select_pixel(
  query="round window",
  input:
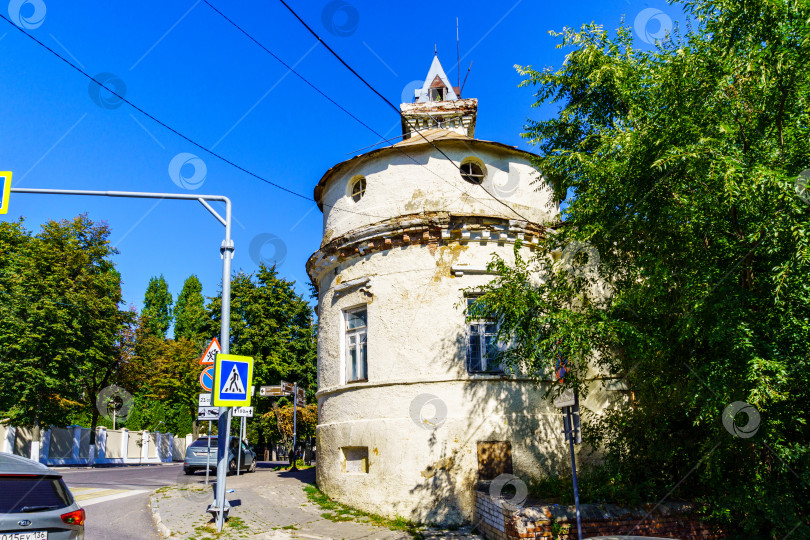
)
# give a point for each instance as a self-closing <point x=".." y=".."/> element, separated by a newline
<point x="473" y="171"/>
<point x="358" y="188"/>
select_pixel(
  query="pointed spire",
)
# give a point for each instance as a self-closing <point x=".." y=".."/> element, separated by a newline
<point x="437" y="86"/>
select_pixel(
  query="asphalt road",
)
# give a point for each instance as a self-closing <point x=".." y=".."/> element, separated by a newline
<point x="116" y="499"/>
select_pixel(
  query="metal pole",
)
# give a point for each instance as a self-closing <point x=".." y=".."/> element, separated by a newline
<point x="208" y="456"/>
<point x="226" y="251"/>
<point x="295" y="423"/>
<point x="570" y="434"/>
<point x="224" y="412"/>
<point x="239" y="447"/>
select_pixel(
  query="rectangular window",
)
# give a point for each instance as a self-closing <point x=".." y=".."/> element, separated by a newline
<point x="24" y="493"/>
<point x="356" y="355"/>
<point x="482" y="347"/>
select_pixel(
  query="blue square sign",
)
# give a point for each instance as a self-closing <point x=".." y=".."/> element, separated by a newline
<point x="232" y="380"/>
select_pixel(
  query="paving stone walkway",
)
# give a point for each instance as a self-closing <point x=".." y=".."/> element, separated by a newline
<point x="272" y="505"/>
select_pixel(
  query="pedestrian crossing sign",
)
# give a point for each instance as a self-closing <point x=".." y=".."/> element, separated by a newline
<point x="233" y="378"/>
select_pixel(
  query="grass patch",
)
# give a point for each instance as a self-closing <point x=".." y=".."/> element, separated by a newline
<point x="300" y="465"/>
<point x="340" y="512"/>
<point x="208" y="531"/>
<point x="237" y="523"/>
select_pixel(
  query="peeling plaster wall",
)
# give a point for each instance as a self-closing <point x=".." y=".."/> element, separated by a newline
<point x="417" y="347"/>
<point x="424" y="181"/>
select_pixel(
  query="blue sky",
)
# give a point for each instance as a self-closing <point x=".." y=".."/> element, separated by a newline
<point x="184" y="64"/>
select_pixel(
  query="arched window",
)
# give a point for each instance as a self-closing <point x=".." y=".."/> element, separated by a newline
<point x="473" y="170"/>
<point x="358" y="188"/>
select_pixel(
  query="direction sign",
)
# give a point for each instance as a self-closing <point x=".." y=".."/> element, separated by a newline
<point x="271" y="391"/>
<point x="300" y="396"/>
<point x="233" y="377"/>
<point x="286" y="387"/>
<point x="247" y="412"/>
<point x="566" y="399"/>
<point x="210" y="354"/>
<point x="207" y="413"/>
<point x="204" y="400"/>
<point x="207" y="378"/>
<point x="5" y="190"/>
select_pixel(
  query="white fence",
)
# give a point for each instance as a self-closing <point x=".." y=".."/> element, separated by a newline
<point x="71" y="446"/>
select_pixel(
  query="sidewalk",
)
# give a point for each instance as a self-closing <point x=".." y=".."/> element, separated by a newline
<point x="273" y="505"/>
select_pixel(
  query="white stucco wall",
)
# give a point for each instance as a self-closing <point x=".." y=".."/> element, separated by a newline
<point x="417" y="335"/>
<point x="418" y="178"/>
<point x="416" y="346"/>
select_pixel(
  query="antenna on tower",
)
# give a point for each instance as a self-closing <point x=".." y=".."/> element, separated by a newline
<point x="458" y="59"/>
<point x="435" y="49"/>
<point x="465" y="78"/>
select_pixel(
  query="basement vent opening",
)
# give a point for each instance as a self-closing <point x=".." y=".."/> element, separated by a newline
<point x="355" y="459"/>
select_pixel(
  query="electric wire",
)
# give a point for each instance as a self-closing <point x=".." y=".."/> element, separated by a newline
<point x="311" y="85"/>
<point x="386" y="100"/>
<point x="239" y="167"/>
<point x="178" y="133"/>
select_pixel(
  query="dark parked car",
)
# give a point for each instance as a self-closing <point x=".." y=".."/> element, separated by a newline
<point x="35" y="504"/>
<point x="197" y="456"/>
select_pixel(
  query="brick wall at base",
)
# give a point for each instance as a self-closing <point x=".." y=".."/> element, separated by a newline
<point x="496" y="519"/>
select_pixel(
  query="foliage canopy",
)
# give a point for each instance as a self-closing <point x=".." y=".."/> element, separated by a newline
<point x="685" y="256"/>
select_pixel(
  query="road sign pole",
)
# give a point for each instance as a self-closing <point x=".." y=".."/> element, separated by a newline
<point x="570" y="434"/>
<point x="226" y="251"/>
<point x="295" y="424"/>
<point x="239" y="446"/>
<point x="208" y="455"/>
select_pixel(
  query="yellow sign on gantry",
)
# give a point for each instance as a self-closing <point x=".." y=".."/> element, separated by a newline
<point x="5" y="190"/>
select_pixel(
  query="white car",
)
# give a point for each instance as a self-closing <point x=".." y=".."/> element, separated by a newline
<point x="35" y="504"/>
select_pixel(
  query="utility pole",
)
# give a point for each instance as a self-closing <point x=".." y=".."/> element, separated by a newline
<point x="295" y="424"/>
<point x="226" y="253"/>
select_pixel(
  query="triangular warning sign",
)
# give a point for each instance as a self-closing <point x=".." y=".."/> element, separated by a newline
<point x="233" y="384"/>
<point x="210" y="354"/>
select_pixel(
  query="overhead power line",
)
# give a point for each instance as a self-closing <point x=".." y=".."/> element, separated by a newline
<point x="386" y="100"/>
<point x="372" y="130"/>
<point x="176" y="132"/>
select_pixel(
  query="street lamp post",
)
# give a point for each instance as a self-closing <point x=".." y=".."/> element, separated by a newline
<point x="226" y="251"/>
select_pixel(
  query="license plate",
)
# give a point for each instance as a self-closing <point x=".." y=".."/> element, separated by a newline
<point x="200" y="453"/>
<point x="28" y="535"/>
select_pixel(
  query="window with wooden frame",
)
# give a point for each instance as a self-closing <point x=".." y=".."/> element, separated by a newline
<point x="482" y="345"/>
<point x="356" y="344"/>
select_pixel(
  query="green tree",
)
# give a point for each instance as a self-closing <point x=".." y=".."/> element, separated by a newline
<point x="190" y="317"/>
<point x="279" y="422"/>
<point x="163" y="376"/>
<point x="157" y="306"/>
<point x="273" y="324"/>
<point x="681" y="167"/>
<point x="61" y="329"/>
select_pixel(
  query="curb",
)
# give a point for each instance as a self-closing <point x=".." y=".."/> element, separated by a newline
<point x="162" y="528"/>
